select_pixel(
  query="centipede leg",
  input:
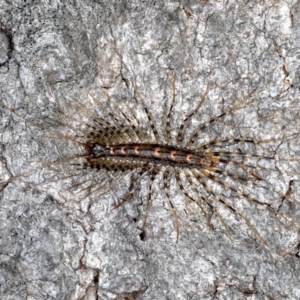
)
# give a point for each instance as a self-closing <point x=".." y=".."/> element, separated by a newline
<point x="149" y="202"/>
<point x="168" y="126"/>
<point x="167" y="192"/>
<point x="208" y="123"/>
<point x="132" y="129"/>
<point x="133" y="183"/>
<point x="183" y="190"/>
<point x="212" y="207"/>
<point x="188" y="117"/>
<point x="227" y="205"/>
<point x="150" y="120"/>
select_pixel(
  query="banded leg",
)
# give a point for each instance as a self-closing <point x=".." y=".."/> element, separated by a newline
<point x="235" y="141"/>
<point x="153" y="128"/>
<point x="113" y="117"/>
<point x="149" y="203"/>
<point x="166" y="190"/>
<point x="183" y="190"/>
<point x="106" y="128"/>
<point x="168" y="126"/>
<point x="133" y="127"/>
<point x="228" y="206"/>
<point x="213" y="208"/>
<point x="99" y="130"/>
<point x="222" y="142"/>
<point x="207" y="124"/>
<point x="78" y="184"/>
<point x="133" y="183"/>
<point x="236" y="154"/>
<point x="245" y="182"/>
<point x="188" y="117"/>
<point x="218" y="154"/>
<point x="229" y="162"/>
<point x="250" y="198"/>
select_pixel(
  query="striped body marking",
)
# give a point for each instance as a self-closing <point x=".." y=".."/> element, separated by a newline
<point x="154" y="153"/>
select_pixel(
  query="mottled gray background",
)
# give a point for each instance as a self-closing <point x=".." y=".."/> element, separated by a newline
<point x="55" y="247"/>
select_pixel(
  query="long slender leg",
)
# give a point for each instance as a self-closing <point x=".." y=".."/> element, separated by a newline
<point x="153" y="128"/>
<point x="183" y="190"/>
<point x="246" y="182"/>
<point x="227" y="205"/>
<point x="167" y="192"/>
<point x="213" y="208"/>
<point x="149" y="202"/>
<point x="219" y="154"/>
<point x="98" y="130"/>
<point x="222" y="142"/>
<point x="133" y="183"/>
<point x="106" y="129"/>
<point x="207" y="124"/>
<point x="133" y="128"/>
<point x="188" y="117"/>
<point x="59" y="179"/>
<point x="235" y="141"/>
<point x="112" y="116"/>
<point x="55" y="132"/>
<point x="168" y="126"/>
<point x="247" y="196"/>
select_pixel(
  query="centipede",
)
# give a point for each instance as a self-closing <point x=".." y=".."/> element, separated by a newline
<point x="112" y="143"/>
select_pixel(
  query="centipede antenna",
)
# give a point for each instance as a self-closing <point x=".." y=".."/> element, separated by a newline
<point x="63" y="125"/>
<point x="41" y="126"/>
<point x="45" y="165"/>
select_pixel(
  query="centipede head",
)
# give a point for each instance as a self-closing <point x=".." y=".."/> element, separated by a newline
<point x="97" y="150"/>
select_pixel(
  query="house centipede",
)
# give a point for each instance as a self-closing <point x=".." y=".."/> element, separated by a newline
<point x="113" y="145"/>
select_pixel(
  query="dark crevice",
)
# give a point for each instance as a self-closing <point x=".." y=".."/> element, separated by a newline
<point x="11" y="45"/>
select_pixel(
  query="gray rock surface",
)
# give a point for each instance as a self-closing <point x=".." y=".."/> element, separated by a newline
<point x="54" y="246"/>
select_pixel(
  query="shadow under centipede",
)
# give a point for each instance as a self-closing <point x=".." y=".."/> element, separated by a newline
<point x="116" y="145"/>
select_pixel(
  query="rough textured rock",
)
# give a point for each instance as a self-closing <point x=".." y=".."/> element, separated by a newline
<point x="53" y="246"/>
